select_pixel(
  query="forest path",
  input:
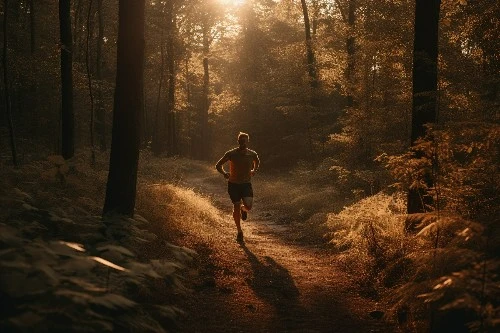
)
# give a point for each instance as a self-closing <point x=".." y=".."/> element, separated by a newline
<point x="268" y="283"/>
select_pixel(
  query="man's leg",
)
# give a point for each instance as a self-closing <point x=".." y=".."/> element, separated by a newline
<point x="235" y="196"/>
<point x="245" y="207"/>
<point x="247" y="196"/>
<point x="247" y="204"/>
<point x="237" y="217"/>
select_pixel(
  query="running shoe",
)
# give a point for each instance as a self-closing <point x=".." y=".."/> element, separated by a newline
<point x="239" y="238"/>
<point x="244" y="214"/>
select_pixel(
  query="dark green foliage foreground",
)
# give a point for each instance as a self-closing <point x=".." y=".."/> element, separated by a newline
<point x="63" y="269"/>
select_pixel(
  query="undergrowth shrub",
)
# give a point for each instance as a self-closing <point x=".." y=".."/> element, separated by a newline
<point x="369" y="235"/>
<point x="63" y="269"/>
<point x="455" y="281"/>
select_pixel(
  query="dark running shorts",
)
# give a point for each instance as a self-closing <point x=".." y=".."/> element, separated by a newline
<point x="239" y="191"/>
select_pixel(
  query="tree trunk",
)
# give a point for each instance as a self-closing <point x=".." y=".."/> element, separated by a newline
<point x="77" y="30"/>
<point x="6" y="82"/>
<point x="89" y="78"/>
<point x="67" y="115"/>
<point x="311" y="63"/>
<point x="315" y="17"/>
<point x="351" y="50"/>
<point x="189" y="142"/>
<point x="32" y="27"/>
<point x="128" y="106"/>
<point x="158" y="130"/>
<point x="203" y="147"/>
<point x="171" y="126"/>
<point x="425" y="53"/>
<point x="100" y="112"/>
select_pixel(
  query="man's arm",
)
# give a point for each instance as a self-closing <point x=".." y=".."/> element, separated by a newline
<point x="256" y="163"/>
<point x="220" y="165"/>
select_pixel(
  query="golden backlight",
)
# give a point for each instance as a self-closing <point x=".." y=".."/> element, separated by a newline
<point x="232" y="2"/>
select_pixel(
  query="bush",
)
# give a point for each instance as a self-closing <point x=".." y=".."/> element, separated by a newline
<point x="63" y="269"/>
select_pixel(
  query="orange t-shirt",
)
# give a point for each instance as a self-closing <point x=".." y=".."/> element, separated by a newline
<point x="241" y="163"/>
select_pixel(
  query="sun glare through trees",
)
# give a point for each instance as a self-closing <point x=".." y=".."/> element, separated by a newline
<point x="376" y="199"/>
<point x="232" y="2"/>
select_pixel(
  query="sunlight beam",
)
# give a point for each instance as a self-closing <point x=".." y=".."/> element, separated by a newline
<point x="235" y="3"/>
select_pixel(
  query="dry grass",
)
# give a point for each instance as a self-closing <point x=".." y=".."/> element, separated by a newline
<point x="369" y="236"/>
<point x="51" y="202"/>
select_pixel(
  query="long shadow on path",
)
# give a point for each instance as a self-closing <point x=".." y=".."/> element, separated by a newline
<point x="273" y="284"/>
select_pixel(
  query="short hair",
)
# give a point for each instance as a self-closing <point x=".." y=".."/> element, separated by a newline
<point x="243" y="134"/>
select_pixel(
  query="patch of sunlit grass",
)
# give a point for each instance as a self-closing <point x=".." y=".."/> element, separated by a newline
<point x="51" y="220"/>
<point x="369" y="234"/>
<point x="183" y="211"/>
<point x="298" y="200"/>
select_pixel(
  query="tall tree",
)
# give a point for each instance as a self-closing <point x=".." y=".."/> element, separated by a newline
<point x="67" y="114"/>
<point x="32" y="26"/>
<point x="100" y="112"/>
<point x="89" y="79"/>
<point x="350" y="44"/>
<point x="6" y="81"/>
<point x="158" y="130"/>
<point x="311" y="62"/>
<point x="425" y="53"/>
<point x="207" y="39"/>
<point x="351" y="51"/>
<point x="127" y="111"/>
<point x="171" y="74"/>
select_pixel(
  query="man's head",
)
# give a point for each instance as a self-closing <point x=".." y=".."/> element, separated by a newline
<point x="243" y="139"/>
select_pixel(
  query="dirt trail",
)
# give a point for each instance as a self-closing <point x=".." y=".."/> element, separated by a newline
<point x="268" y="284"/>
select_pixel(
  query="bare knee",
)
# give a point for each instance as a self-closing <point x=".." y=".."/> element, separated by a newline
<point x="248" y="203"/>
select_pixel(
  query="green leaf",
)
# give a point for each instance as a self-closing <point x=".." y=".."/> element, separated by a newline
<point x="108" y="263"/>
<point x="168" y="311"/>
<point x="142" y="269"/>
<point x="9" y="237"/>
<point x="78" y="264"/>
<point x="165" y="268"/>
<point x="51" y="275"/>
<point x="20" y="194"/>
<point x="74" y="246"/>
<point x="115" y="248"/>
<point x="85" y="285"/>
<point x="113" y="301"/>
<point x="427" y="230"/>
<point x="66" y="249"/>
<point x="20" y="265"/>
<point x="26" y="321"/>
<point x="8" y="251"/>
<point x="75" y="296"/>
<point x="19" y="284"/>
<point x="29" y="207"/>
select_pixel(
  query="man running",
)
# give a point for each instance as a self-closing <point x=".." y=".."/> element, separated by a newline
<point x="243" y="163"/>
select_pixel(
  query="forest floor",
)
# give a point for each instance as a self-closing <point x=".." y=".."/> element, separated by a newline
<point x="273" y="282"/>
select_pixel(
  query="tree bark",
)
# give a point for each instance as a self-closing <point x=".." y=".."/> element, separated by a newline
<point x="351" y="51"/>
<point x="89" y="78"/>
<point x="425" y="54"/>
<point x="67" y="115"/>
<point x="158" y="129"/>
<point x="127" y="112"/>
<point x="315" y="17"/>
<point x="203" y="146"/>
<point x="171" y="125"/>
<point x="32" y="27"/>
<point x="6" y="82"/>
<point x="311" y="62"/>
<point x="100" y="112"/>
